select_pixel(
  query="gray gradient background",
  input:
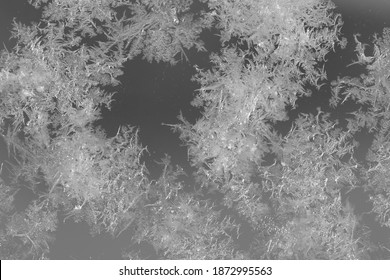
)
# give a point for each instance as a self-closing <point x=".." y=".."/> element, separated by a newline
<point x="153" y="94"/>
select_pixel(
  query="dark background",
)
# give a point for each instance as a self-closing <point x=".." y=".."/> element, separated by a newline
<point x="152" y="94"/>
